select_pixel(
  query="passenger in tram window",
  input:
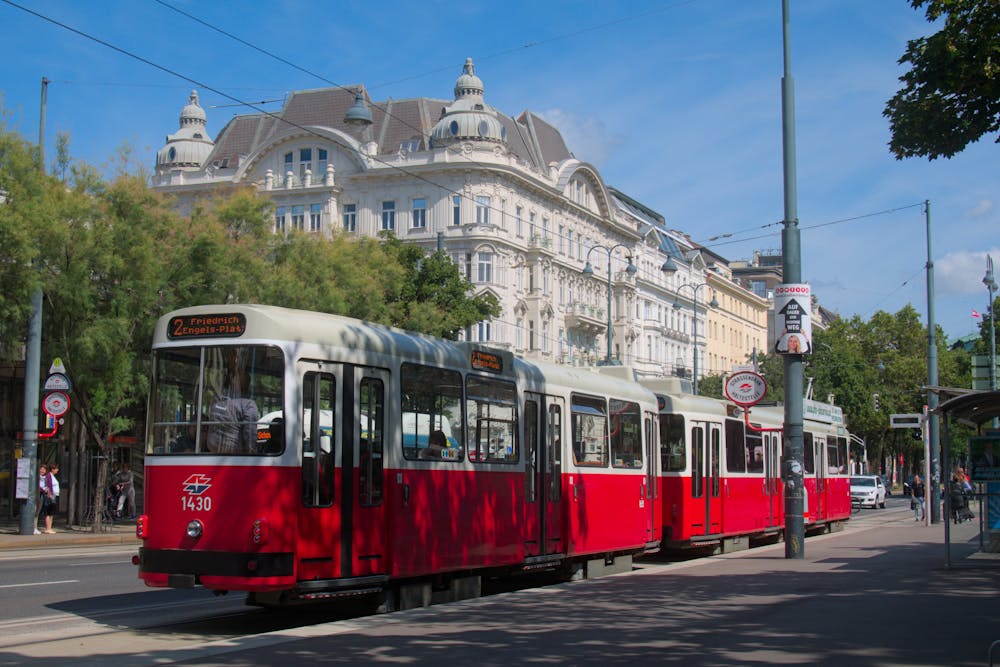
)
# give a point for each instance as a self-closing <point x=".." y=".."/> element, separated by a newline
<point x="436" y="444"/>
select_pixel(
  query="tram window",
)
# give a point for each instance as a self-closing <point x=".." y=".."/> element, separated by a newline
<point x="318" y="396"/>
<point x="216" y="400"/>
<point x="431" y="400"/>
<point x="626" y="434"/>
<point x="371" y="403"/>
<point x="809" y="458"/>
<point x="755" y="452"/>
<point x="531" y="450"/>
<point x="736" y="458"/>
<point x="553" y="454"/>
<point x="590" y="432"/>
<point x="836" y="455"/>
<point x="672" y="457"/>
<point x="697" y="462"/>
<point x="491" y="410"/>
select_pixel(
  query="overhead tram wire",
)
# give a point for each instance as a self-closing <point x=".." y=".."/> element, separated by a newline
<point x="708" y="242"/>
<point x="402" y="121"/>
<point x="285" y="61"/>
<point x="548" y="40"/>
<point x="205" y="86"/>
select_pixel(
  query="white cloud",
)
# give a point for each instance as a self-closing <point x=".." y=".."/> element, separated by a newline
<point x="982" y="208"/>
<point x="587" y="138"/>
<point x="959" y="273"/>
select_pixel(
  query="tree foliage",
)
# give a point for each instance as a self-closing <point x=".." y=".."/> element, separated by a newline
<point x="951" y="93"/>
<point x="112" y="257"/>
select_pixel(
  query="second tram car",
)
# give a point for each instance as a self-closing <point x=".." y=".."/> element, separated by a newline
<point x="720" y="479"/>
<point x="298" y="455"/>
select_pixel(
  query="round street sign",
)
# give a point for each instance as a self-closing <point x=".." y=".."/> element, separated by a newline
<point x="56" y="404"/>
<point x="745" y="388"/>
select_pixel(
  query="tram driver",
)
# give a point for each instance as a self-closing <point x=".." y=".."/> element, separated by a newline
<point x="234" y="416"/>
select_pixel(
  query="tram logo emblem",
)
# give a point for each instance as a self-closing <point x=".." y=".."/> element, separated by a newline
<point x="196" y="484"/>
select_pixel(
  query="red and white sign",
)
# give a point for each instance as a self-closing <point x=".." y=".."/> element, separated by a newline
<point x="745" y="388"/>
<point x="56" y="404"/>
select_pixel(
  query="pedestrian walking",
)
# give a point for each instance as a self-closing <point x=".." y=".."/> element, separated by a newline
<point x="126" y="500"/>
<point x="917" y="503"/>
<point x="43" y="471"/>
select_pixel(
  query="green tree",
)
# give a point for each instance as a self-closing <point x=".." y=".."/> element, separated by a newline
<point x="951" y="93"/>
<point x="24" y="194"/>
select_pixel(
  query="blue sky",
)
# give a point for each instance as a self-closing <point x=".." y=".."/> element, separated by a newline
<point x="677" y="104"/>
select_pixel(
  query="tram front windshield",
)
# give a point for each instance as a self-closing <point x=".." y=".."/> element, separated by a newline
<point x="219" y="400"/>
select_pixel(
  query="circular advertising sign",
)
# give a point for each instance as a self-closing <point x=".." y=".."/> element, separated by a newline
<point x="745" y="388"/>
<point x="56" y="404"/>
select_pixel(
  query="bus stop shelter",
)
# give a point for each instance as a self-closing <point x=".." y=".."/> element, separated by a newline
<point x="976" y="409"/>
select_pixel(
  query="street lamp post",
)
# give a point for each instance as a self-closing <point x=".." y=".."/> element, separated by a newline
<point x="694" y="324"/>
<point x="991" y="287"/>
<point x="588" y="270"/>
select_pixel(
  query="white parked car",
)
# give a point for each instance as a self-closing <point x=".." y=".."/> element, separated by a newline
<point x="868" y="490"/>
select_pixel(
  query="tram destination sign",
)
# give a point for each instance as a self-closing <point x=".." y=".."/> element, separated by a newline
<point x="223" y="325"/>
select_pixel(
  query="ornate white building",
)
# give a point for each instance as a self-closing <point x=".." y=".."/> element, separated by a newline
<point x="520" y="215"/>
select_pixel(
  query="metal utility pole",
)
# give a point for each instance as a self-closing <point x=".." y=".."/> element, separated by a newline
<point x="934" y="481"/>
<point x="32" y="367"/>
<point x="791" y="469"/>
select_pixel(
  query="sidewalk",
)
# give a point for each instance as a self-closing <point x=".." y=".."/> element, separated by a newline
<point x="66" y="536"/>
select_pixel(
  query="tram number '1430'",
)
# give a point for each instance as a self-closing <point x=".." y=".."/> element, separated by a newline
<point x="196" y="503"/>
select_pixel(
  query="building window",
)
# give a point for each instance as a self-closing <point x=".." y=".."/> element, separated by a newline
<point x="279" y="219"/>
<point x="482" y="210"/>
<point x="389" y="215"/>
<point x="315" y="217"/>
<point x="518" y="334"/>
<point x="321" y="162"/>
<point x="503" y="214"/>
<point x="289" y="162"/>
<point x="531" y="224"/>
<point x="299" y="218"/>
<point x="420" y="213"/>
<point x="456" y="210"/>
<point x="485" y="331"/>
<point x="519" y="221"/>
<point x="485" y="267"/>
<point x="350" y="216"/>
<point x="305" y="161"/>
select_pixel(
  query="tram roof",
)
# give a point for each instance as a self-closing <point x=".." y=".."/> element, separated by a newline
<point x="264" y="322"/>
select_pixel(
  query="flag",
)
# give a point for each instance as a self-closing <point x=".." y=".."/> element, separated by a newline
<point x="975" y="313"/>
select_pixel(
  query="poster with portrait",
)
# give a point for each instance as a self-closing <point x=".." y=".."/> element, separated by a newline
<point x="793" y="318"/>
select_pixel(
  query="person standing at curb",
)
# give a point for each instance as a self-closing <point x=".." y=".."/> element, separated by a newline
<point x="43" y="471"/>
<point x="51" y="485"/>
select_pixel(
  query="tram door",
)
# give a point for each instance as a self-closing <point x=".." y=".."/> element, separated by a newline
<point x="319" y="520"/>
<point x="706" y="482"/>
<point x="543" y="434"/>
<point x="367" y="550"/>
<point x="652" y="493"/>
<point x="819" y="455"/>
<point x="772" y="480"/>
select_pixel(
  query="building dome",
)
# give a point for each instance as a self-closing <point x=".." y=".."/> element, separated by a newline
<point x="192" y="113"/>
<point x="189" y="147"/>
<point x="468" y="83"/>
<point x="469" y="118"/>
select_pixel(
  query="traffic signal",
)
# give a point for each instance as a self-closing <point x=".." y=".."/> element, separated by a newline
<point x="876" y="403"/>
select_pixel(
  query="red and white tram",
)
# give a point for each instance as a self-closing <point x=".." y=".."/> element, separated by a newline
<point x="720" y="480"/>
<point x="298" y="455"/>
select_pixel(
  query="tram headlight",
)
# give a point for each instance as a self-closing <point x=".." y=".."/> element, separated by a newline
<point x="195" y="529"/>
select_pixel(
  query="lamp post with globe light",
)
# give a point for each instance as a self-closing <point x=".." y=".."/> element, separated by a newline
<point x="588" y="270"/>
<point x="694" y="322"/>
